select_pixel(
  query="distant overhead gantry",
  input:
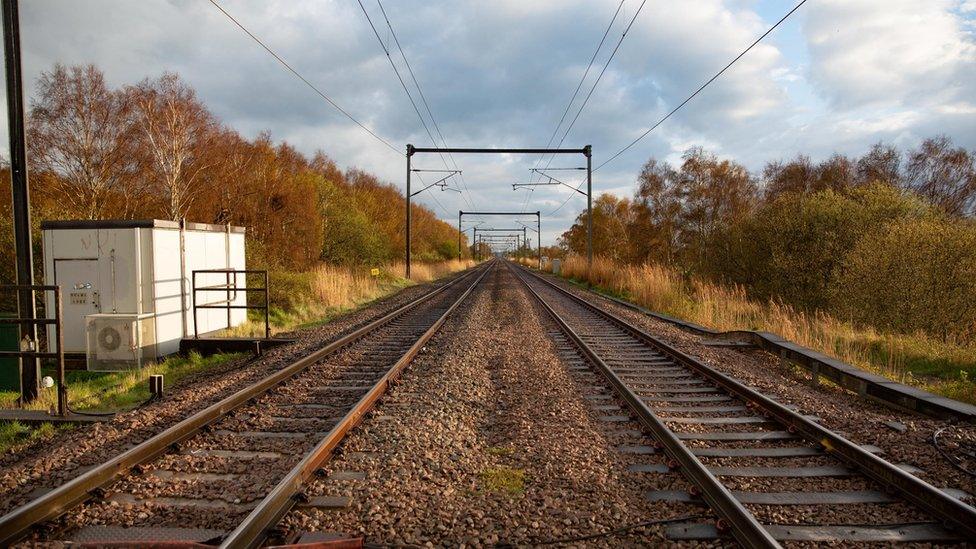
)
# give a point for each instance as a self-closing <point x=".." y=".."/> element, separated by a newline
<point x="517" y="235"/>
<point x="475" y="229"/>
<point x="586" y="151"/>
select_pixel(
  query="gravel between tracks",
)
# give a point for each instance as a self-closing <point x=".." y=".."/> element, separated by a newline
<point x="29" y="471"/>
<point x="485" y="440"/>
<point x="860" y="420"/>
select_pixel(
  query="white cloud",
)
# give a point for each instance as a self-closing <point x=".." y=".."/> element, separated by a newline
<point x="500" y="74"/>
<point x="889" y="51"/>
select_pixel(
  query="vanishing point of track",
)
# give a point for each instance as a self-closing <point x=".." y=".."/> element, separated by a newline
<point x="715" y="430"/>
<point x="273" y="434"/>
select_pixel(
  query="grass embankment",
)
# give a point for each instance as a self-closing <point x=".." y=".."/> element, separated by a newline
<point x="944" y="368"/>
<point x="298" y="300"/>
<point x="95" y="391"/>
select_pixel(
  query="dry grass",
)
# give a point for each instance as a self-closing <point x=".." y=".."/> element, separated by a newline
<point x="330" y="290"/>
<point x="341" y="287"/>
<point x="425" y="272"/>
<point x="344" y="287"/>
<point x="915" y="359"/>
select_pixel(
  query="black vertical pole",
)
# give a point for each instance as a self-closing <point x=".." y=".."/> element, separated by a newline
<point x="459" y="234"/>
<point x="59" y="334"/>
<point x="409" y="154"/>
<point x="29" y="369"/>
<point x="523" y="252"/>
<point x="267" y="307"/>
<point x="538" y="235"/>
<point x="589" y="209"/>
<point x="193" y="293"/>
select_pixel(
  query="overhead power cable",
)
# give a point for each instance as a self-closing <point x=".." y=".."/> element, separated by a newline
<point x="305" y="80"/>
<point x="582" y="79"/>
<point x="579" y="86"/>
<point x="589" y="94"/>
<point x="403" y="84"/>
<point x="702" y="87"/>
<point x="689" y="98"/>
<point x="397" y="71"/>
<point x="604" y="70"/>
<point x="423" y="98"/>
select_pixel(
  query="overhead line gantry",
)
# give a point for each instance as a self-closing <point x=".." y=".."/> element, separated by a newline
<point x="518" y="233"/>
<point x="586" y="151"/>
<point x="538" y="229"/>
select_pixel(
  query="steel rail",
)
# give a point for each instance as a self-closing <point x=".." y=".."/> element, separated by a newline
<point x="954" y="512"/>
<point x="746" y="529"/>
<point x="18" y="522"/>
<point x="253" y="530"/>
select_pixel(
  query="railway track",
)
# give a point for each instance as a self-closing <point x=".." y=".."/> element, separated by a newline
<point x="769" y="473"/>
<point x="227" y="474"/>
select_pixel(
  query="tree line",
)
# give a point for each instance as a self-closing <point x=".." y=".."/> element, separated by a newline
<point x="887" y="239"/>
<point x="154" y="150"/>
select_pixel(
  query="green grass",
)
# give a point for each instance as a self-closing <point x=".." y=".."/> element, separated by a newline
<point x="501" y="451"/>
<point x="13" y="433"/>
<point x="501" y="479"/>
<point x="102" y="391"/>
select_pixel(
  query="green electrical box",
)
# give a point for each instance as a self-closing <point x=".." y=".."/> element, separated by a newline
<point x="9" y="367"/>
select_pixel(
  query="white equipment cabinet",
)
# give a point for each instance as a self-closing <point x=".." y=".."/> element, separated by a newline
<point x="126" y="285"/>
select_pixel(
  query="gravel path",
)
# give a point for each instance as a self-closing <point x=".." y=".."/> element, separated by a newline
<point x="861" y="420"/>
<point x="31" y="470"/>
<point x="486" y="440"/>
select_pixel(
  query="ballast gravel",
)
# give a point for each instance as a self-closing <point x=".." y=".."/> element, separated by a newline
<point x="486" y="440"/>
<point x="860" y="420"/>
<point x="28" y="471"/>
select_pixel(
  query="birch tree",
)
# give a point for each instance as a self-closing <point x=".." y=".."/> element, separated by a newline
<point x="79" y="141"/>
<point x="175" y="130"/>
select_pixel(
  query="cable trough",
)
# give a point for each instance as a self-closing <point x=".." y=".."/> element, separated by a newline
<point x="226" y="475"/>
<point x="768" y="472"/>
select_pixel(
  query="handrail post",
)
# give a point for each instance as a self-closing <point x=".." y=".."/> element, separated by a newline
<point x="227" y="284"/>
<point x="267" y="307"/>
<point x="193" y="291"/>
<point x="58" y="329"/>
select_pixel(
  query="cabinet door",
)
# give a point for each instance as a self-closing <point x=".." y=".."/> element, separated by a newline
<point x="80" y="297"/>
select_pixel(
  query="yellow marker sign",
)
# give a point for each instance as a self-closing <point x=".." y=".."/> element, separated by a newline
<point x="374" y="272"/>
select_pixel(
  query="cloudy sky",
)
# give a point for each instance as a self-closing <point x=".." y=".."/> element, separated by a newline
<point x="837" y="76"/>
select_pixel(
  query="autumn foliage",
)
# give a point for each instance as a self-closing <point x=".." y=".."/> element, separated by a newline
<point x="886" y="241"/>
<point x="153" y="150"/>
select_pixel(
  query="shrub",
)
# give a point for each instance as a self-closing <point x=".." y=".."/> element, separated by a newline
<point x="912" y="275"/>
<point x="792" y="248"/>
<point x="289" y="290"/>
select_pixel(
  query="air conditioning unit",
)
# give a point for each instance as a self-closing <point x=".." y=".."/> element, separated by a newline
<point x="120" y="341"/>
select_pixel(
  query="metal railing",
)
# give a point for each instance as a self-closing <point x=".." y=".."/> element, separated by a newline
<point x="32" y="352"/>
<point x="230" y="289"/>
